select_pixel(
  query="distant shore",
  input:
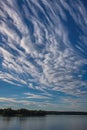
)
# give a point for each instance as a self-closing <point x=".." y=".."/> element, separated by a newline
<point x="28" y="113"/>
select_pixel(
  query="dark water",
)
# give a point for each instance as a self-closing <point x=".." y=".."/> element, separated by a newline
<point x="44" y="123"/>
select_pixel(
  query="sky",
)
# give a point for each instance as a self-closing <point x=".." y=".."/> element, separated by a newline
<point x="43" y="54"/>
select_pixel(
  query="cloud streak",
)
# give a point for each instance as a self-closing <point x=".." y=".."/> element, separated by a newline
<point x="43" y="45"/>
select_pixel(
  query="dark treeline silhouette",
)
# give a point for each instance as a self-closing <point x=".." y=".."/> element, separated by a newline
<point x="21" y="112"/>
<point x="25" y="112"/>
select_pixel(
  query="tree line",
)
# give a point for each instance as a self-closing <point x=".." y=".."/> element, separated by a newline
<point x="26" y="112"/>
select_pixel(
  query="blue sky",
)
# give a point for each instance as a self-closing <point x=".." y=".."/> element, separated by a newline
<point x="43" y="54"/>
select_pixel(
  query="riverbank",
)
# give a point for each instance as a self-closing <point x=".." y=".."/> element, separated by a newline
<point x="26" y="112"/>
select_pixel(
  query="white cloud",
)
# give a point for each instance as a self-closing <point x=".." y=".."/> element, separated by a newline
<point x="45" y="52"/>
<point x="41" y="96"/>
<point x="4" y="99"/>
<point x="13" y="100"/>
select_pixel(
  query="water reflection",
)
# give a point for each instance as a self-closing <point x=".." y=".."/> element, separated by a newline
<point x="44" y="123"/>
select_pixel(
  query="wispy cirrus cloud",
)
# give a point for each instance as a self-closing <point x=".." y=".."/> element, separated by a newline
<point x="43" y="45"/>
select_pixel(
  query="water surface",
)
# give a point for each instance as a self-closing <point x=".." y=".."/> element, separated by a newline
<point x="59" y="122"/>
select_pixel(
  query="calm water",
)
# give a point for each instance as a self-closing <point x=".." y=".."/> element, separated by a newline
<point x="44" y="123"/>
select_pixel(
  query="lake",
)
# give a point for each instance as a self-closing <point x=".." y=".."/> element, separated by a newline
<point x="50" y="122"/>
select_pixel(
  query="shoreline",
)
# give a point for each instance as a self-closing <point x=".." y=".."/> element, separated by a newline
<point x="33" y="113"/>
